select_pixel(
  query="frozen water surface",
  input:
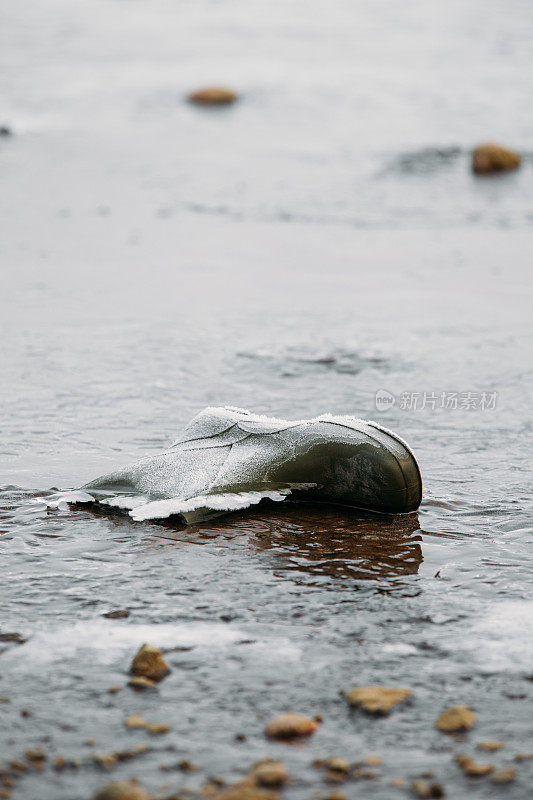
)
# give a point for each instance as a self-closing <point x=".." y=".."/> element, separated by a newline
<point x="320" y="240"/>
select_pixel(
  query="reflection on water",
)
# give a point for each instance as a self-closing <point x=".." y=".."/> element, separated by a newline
<point x="320" y="540"/>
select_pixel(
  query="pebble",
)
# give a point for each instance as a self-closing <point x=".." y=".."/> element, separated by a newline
<point x="471" y="767"/>
<point x="290" y="726"/>
<point x="119" y="614"/>
<point x="121" y="790"/>
<point x="503" y="775"/>
<point x="424" y="788"/>
<point x="213" y="96"/>
<point x="377" y="699"/>
<point x="490" y="746"/>
<point x="488" y="158"/>
<point x="114" y="689"/>
<point x="149" y="663"/>
<point x="457" y="718"/>
<point x="270" y="773"/>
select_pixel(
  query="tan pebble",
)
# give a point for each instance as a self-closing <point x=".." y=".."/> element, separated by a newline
<point x="424" y="788"/>
<point x="188" y="766"/>
<point x="337" y="764"/>
<point x="290" y="726"/>
<point x="247" y="790"/>
<point x="335" y="795"/>
<point x="490" y="746"/>
<point x="504" y="775"/>
<point x="59" y="763"/>
<point x="213" y="96"/>
<point x="471" y="767"/>
<point x="114" y="689"/>
<point x="270" y="773"/>
<point x="490" y="157"/>
<point x="149" y="663"/>
<point x="91" y="741"/>
<point x="139" y="683"/>
<point x="318" y="763"/>
<point x="398" y="782"/>
<point x="373" y="761"/>
<point x="377" y="699"/>
<point x="105" y="760"/>
<point x="457" y="718"/>
<point x="120" y="614"/>
<point x="135" y="721"/>
<point x="121" y="790"/>
<point x="523" y="756"/>
<point x="5" y="699"/>
<point x="5" y="794"/>
<point x="36" y="757"/>
<point x="25" y="712"/>
<point x="18" y="767"/>
<point x="157" y="728"/>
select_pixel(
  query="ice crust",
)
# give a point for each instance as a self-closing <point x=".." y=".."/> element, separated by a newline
<point x="227" y="459"/>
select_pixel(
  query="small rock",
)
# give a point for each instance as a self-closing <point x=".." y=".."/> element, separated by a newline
<point x="335" y="795"/>
<point x="424" y="788"/>
<point x="121" y="790"/>
<point x="366" y="773"/>
<point x="114" y="689"/>
<point x="25" y="712"/>
<point x="139" y="683"/>
<point x="35" y="757"/>
<point x="5" y="131"/>
<point x="377" y="699"/>
<point x="105" y="760"/>
<point x="5" y="699"/>
<point x="490" y="746"/>
<point x="213" y="96"/>
<point x="187" y="766"/>
<point x="18" y="767"/>
<point x="337" y="764"/>
<point x="149" y="663"/>
<point x="119" y="614"/>
<point x="504" y="775"/>
<point x="488" y="158"/>
<point x="247" y="790"/>
<point x="290" y="726"/>
<point x="17" y="638"/>
<point x="457" y="718"/>
<point x="91" y="741"/>
<point x="135" y="721"/>
<point x="471" y="767"/>
<point x="157" y="728"/>
<point x="270" y="773"/>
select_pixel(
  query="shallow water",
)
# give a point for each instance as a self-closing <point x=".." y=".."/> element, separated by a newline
<point x="318" y="242"/>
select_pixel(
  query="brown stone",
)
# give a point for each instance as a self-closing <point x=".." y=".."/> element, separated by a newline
<point x="290" y="726"/>
<point x="334" y="776"/>
<point x="490" y="746"/>
<point x="377" y="699"/>
<point x="135" y="721"/>
<point x="337" y="764"/>
<point x="335" y="795"/>
<point x="457" y="718"/>
<point x="105" y="760"/>
<point x="120" y="614"/>
<point x="471" y="767"/>
<point x="114" y="689"/>
<point x="247" y="790"/>
<point x="270" y="773"/>
<point x="157" y="728"/>
<point x="149" y="663"/>
<point x="424" y="788"/>
<point x="139" y="683"/>
<point x="213" y="96"/>
<point x="121" y="790"/>
<point x="488" y="158"/>
<point x="36" y="757"/>
<point x="504" y="775"/>
<point x="18" y="767"/>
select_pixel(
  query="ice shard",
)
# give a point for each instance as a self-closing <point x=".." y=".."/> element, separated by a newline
<point x="228" y="458"/>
